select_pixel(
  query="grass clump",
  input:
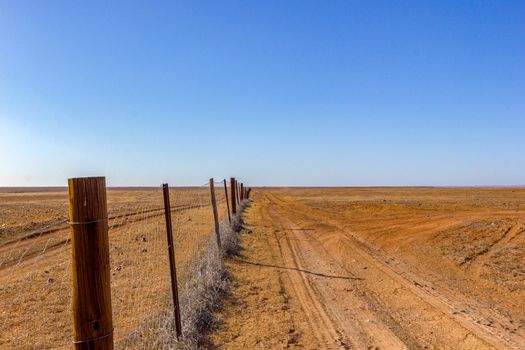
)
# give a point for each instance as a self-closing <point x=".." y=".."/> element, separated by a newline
<point x="201" y="296"/>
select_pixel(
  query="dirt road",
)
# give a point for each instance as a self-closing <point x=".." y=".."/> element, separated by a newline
<point x="308" y="280"/>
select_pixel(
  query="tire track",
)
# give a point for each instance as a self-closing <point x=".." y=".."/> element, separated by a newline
<point x="336" y="330"/>
<point x="477" y="262"/>
<point x="322" y="326"/>
<point x="403" y="314"/>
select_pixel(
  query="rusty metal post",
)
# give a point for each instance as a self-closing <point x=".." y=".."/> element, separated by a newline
<point x="215" y="214"/>
<point x="237" y="188"/>
<point x="234" y="199"/>
<point x="92" y="315"/>
<point x="171" y="253"/>
<point x="227" y="201"/>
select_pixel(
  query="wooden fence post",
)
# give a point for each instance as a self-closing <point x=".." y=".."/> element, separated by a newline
<point x="92" y="315"/>
<point x="171" y="253"/>
<point x="215" y="214"/>
<point x="234" y="200"/>
<point x="242" y="191"/>
<point x="227" y="201"/>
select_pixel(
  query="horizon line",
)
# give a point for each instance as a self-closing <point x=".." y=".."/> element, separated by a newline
<point x="41" y="187"/>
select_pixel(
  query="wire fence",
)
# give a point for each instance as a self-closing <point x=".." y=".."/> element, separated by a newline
<point x="36" y="273"/>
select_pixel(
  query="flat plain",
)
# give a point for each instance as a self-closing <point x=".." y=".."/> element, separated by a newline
<point x="379" y="268"/>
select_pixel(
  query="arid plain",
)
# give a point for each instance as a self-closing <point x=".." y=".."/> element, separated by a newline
<point x="379" y="268"/>
<point x="354" y="268"/>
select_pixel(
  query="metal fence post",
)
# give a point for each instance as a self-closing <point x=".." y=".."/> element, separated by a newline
<point x="227" y="201"/>
<point x="215" y="214"/>
<point x="234" y="197"/>
<point x="171" y="253"/>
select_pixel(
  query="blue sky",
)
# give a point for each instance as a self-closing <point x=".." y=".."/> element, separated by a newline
<point x="274" y="92"/>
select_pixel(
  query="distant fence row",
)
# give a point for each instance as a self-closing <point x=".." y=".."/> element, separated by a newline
<point x="112" y="274"/>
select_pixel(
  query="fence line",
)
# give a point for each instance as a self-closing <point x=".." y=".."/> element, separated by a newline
<point x="35" y="265"/>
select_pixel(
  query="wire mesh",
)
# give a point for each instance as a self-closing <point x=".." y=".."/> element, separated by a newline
<point x="35" y="262"/>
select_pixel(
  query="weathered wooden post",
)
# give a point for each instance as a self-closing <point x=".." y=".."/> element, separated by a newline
<point x="234" y="199"/>
<point x="242" y="191"/>
<point x="215" y="214"/>
<point x="171" y="253"/>
<point x="227" y="202"/>
<point x="92" y="315"/>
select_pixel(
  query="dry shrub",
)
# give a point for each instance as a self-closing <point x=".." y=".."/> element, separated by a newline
<point x="200" y="296"/>
<point x="229" y="239"/>
<point x="237" y="221"/>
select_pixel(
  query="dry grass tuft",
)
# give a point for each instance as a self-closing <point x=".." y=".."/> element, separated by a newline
<point x="238" y="222"/>
<point x="201" y="296"/>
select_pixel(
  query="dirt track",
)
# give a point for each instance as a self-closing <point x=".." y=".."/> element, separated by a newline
<point x="330" y="280"/>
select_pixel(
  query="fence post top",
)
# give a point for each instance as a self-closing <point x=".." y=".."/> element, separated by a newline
<point x="86" y="178"/>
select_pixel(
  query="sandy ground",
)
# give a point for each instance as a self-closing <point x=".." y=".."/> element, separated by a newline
<point x="380" y="268"/>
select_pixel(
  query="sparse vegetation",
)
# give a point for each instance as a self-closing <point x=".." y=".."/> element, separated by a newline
<point x="201" y="296"/>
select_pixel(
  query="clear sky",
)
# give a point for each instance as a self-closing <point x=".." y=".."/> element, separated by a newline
<point x="273" y="92"/>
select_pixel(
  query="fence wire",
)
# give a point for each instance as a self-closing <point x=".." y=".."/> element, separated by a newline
<point x="35" y="263"/>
